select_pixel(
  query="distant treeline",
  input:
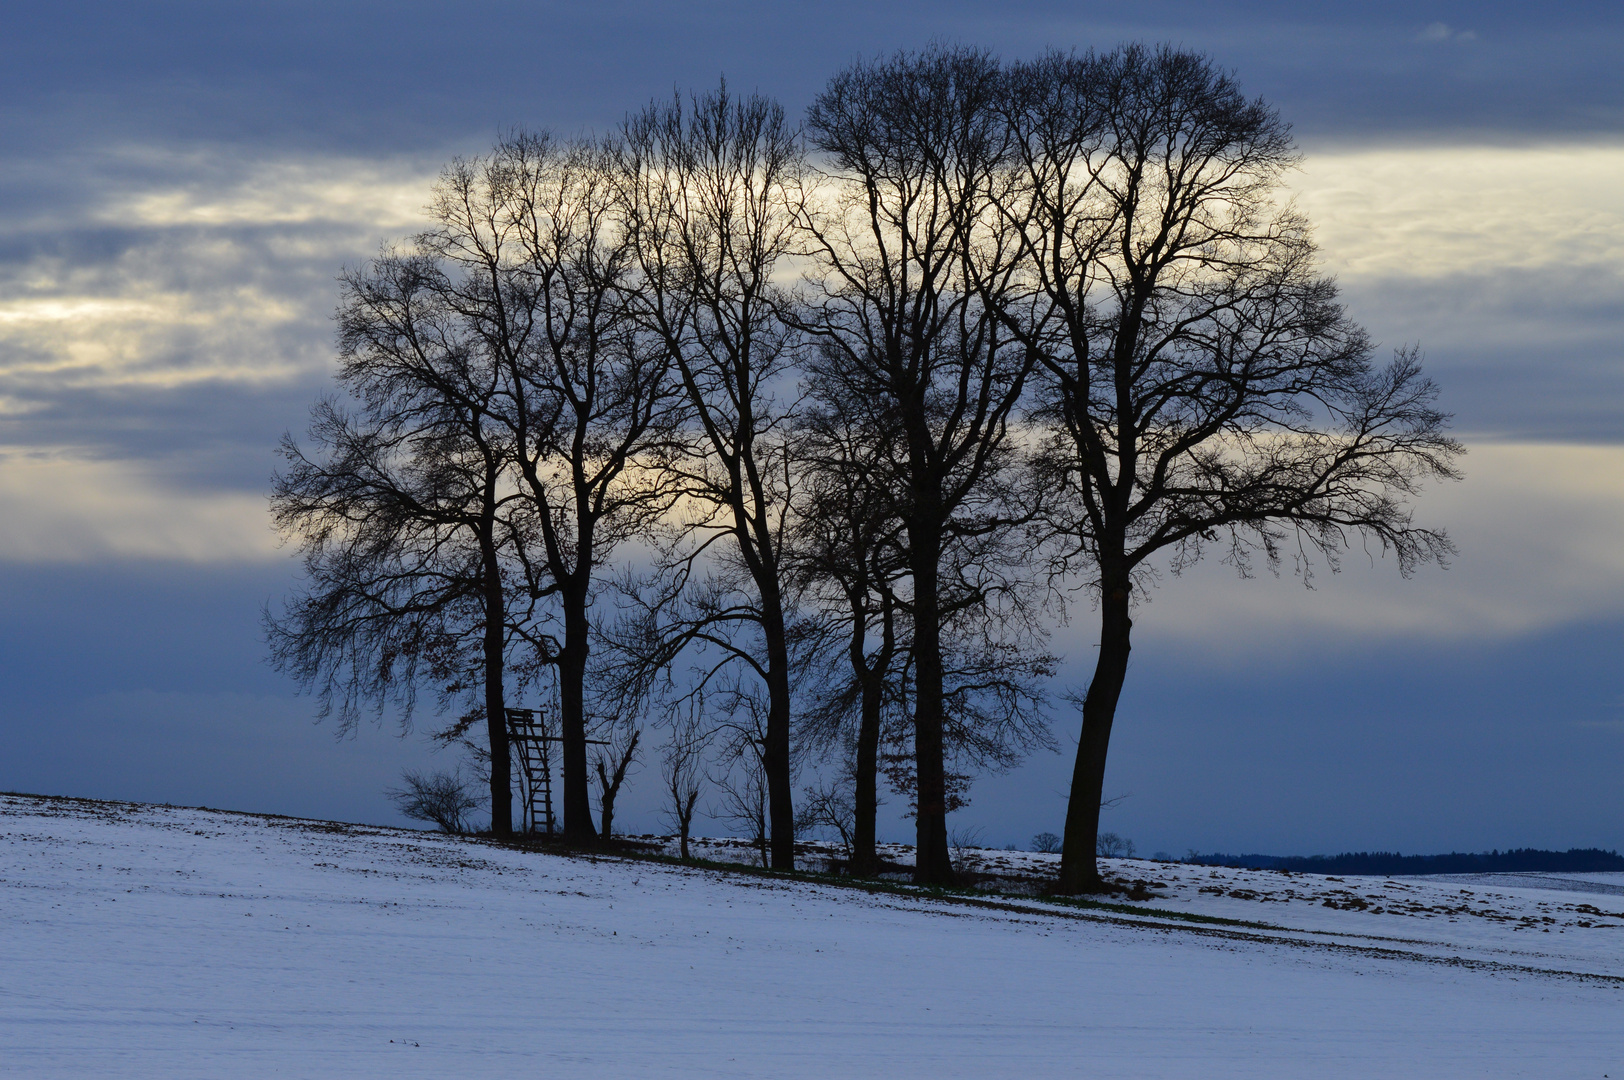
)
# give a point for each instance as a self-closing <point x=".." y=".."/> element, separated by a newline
<point x="1389" y="863"/>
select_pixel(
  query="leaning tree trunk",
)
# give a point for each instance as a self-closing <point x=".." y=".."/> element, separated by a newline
<point x="1079" y="872"/>
<point x="572" y="716"/>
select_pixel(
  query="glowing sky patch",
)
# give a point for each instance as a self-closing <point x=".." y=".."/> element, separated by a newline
<point x="1434" y="211"/>
<point x="1537" y="526"/>
<point x="59" y="509"/>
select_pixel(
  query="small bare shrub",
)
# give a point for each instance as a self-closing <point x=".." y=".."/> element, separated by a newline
<point x="966" y="845"/>
<point x="1111" y="846"/>
<point x="827" y="810"/>
<point x="683" y="772"/>
<point x="438" y="797"/>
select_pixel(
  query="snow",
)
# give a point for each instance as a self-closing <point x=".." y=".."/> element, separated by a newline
<point x="143" y="941"/>
<point x="1496" y="922"/>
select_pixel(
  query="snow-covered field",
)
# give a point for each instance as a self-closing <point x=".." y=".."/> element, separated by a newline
<point x="140" y="941"/>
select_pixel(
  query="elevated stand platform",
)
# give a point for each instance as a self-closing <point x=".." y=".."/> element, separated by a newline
<point x="532" y="735"/>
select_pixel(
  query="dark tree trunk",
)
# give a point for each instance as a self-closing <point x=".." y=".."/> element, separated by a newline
<point x="1078" y="871"/>
<point x="775" y="762"/>
<point x="685" y="816"/>
<point x="871" y="675"/>
<point x="495" y="705"/>
<point x="606" y="816"/>
<point x="572" y="716"/>
<point x="610" y="777"/>
<point x="932" y="864"/>
<point x="866" y="798"/>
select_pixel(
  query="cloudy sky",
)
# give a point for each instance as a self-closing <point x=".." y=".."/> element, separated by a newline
<point x="181" y="183"/>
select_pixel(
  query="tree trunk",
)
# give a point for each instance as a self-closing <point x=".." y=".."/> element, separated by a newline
<point x="495" y="705"/>
<point x="775" y="762"/>
<point x="609" y="782"/>
<point x="606" y="815"/>
<point x="1078" y="871"/>
<point x="866" y="799"/>
<point x="572" y="717"/>
<point x="932" y="864"/>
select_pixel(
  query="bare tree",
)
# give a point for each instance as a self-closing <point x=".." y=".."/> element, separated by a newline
<point x="683" y="773"/>
<point x="850" y="565"/>
<point x="847" y="560"/>
<point x="438" y="797"/>
<point x="828" y="807"/>
<point x="1202" y="385"/>
<point x="912" y="148"/>
<point x="703" y="197"/>
<point x="546" y="269"/>
<point x="1108" y="845"/>
<point x="611" y="768"/>
<point x="401" y="514"/>
<point x="994" y="675"/>
<point x="965" y="843"/>
<point x="742" y="786"/>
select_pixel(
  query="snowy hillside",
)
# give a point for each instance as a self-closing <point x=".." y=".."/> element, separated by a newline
<point x="140" y="941"/>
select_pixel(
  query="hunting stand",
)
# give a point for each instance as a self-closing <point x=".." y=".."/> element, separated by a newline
<point x="531" y="734"/>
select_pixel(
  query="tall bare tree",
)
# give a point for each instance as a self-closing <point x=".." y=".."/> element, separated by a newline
<point x="400" y="515"/>
<point x="849" y="557"/>
<point x="848" y="560"/>
<point x="907" y="253"/>
<point x="546" y="271"/>
<point x="704" y="188"/>
<point x="1203" y="386"/>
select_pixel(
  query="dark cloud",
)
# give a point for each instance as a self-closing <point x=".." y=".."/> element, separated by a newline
<point x="110" y="103"/>
<point x="1360" y="745"/>
<point x="1534" y="354"/>
<point x="213" y="436"/>
<point x="378" y="77"/>
<point x="147" y="681"/>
